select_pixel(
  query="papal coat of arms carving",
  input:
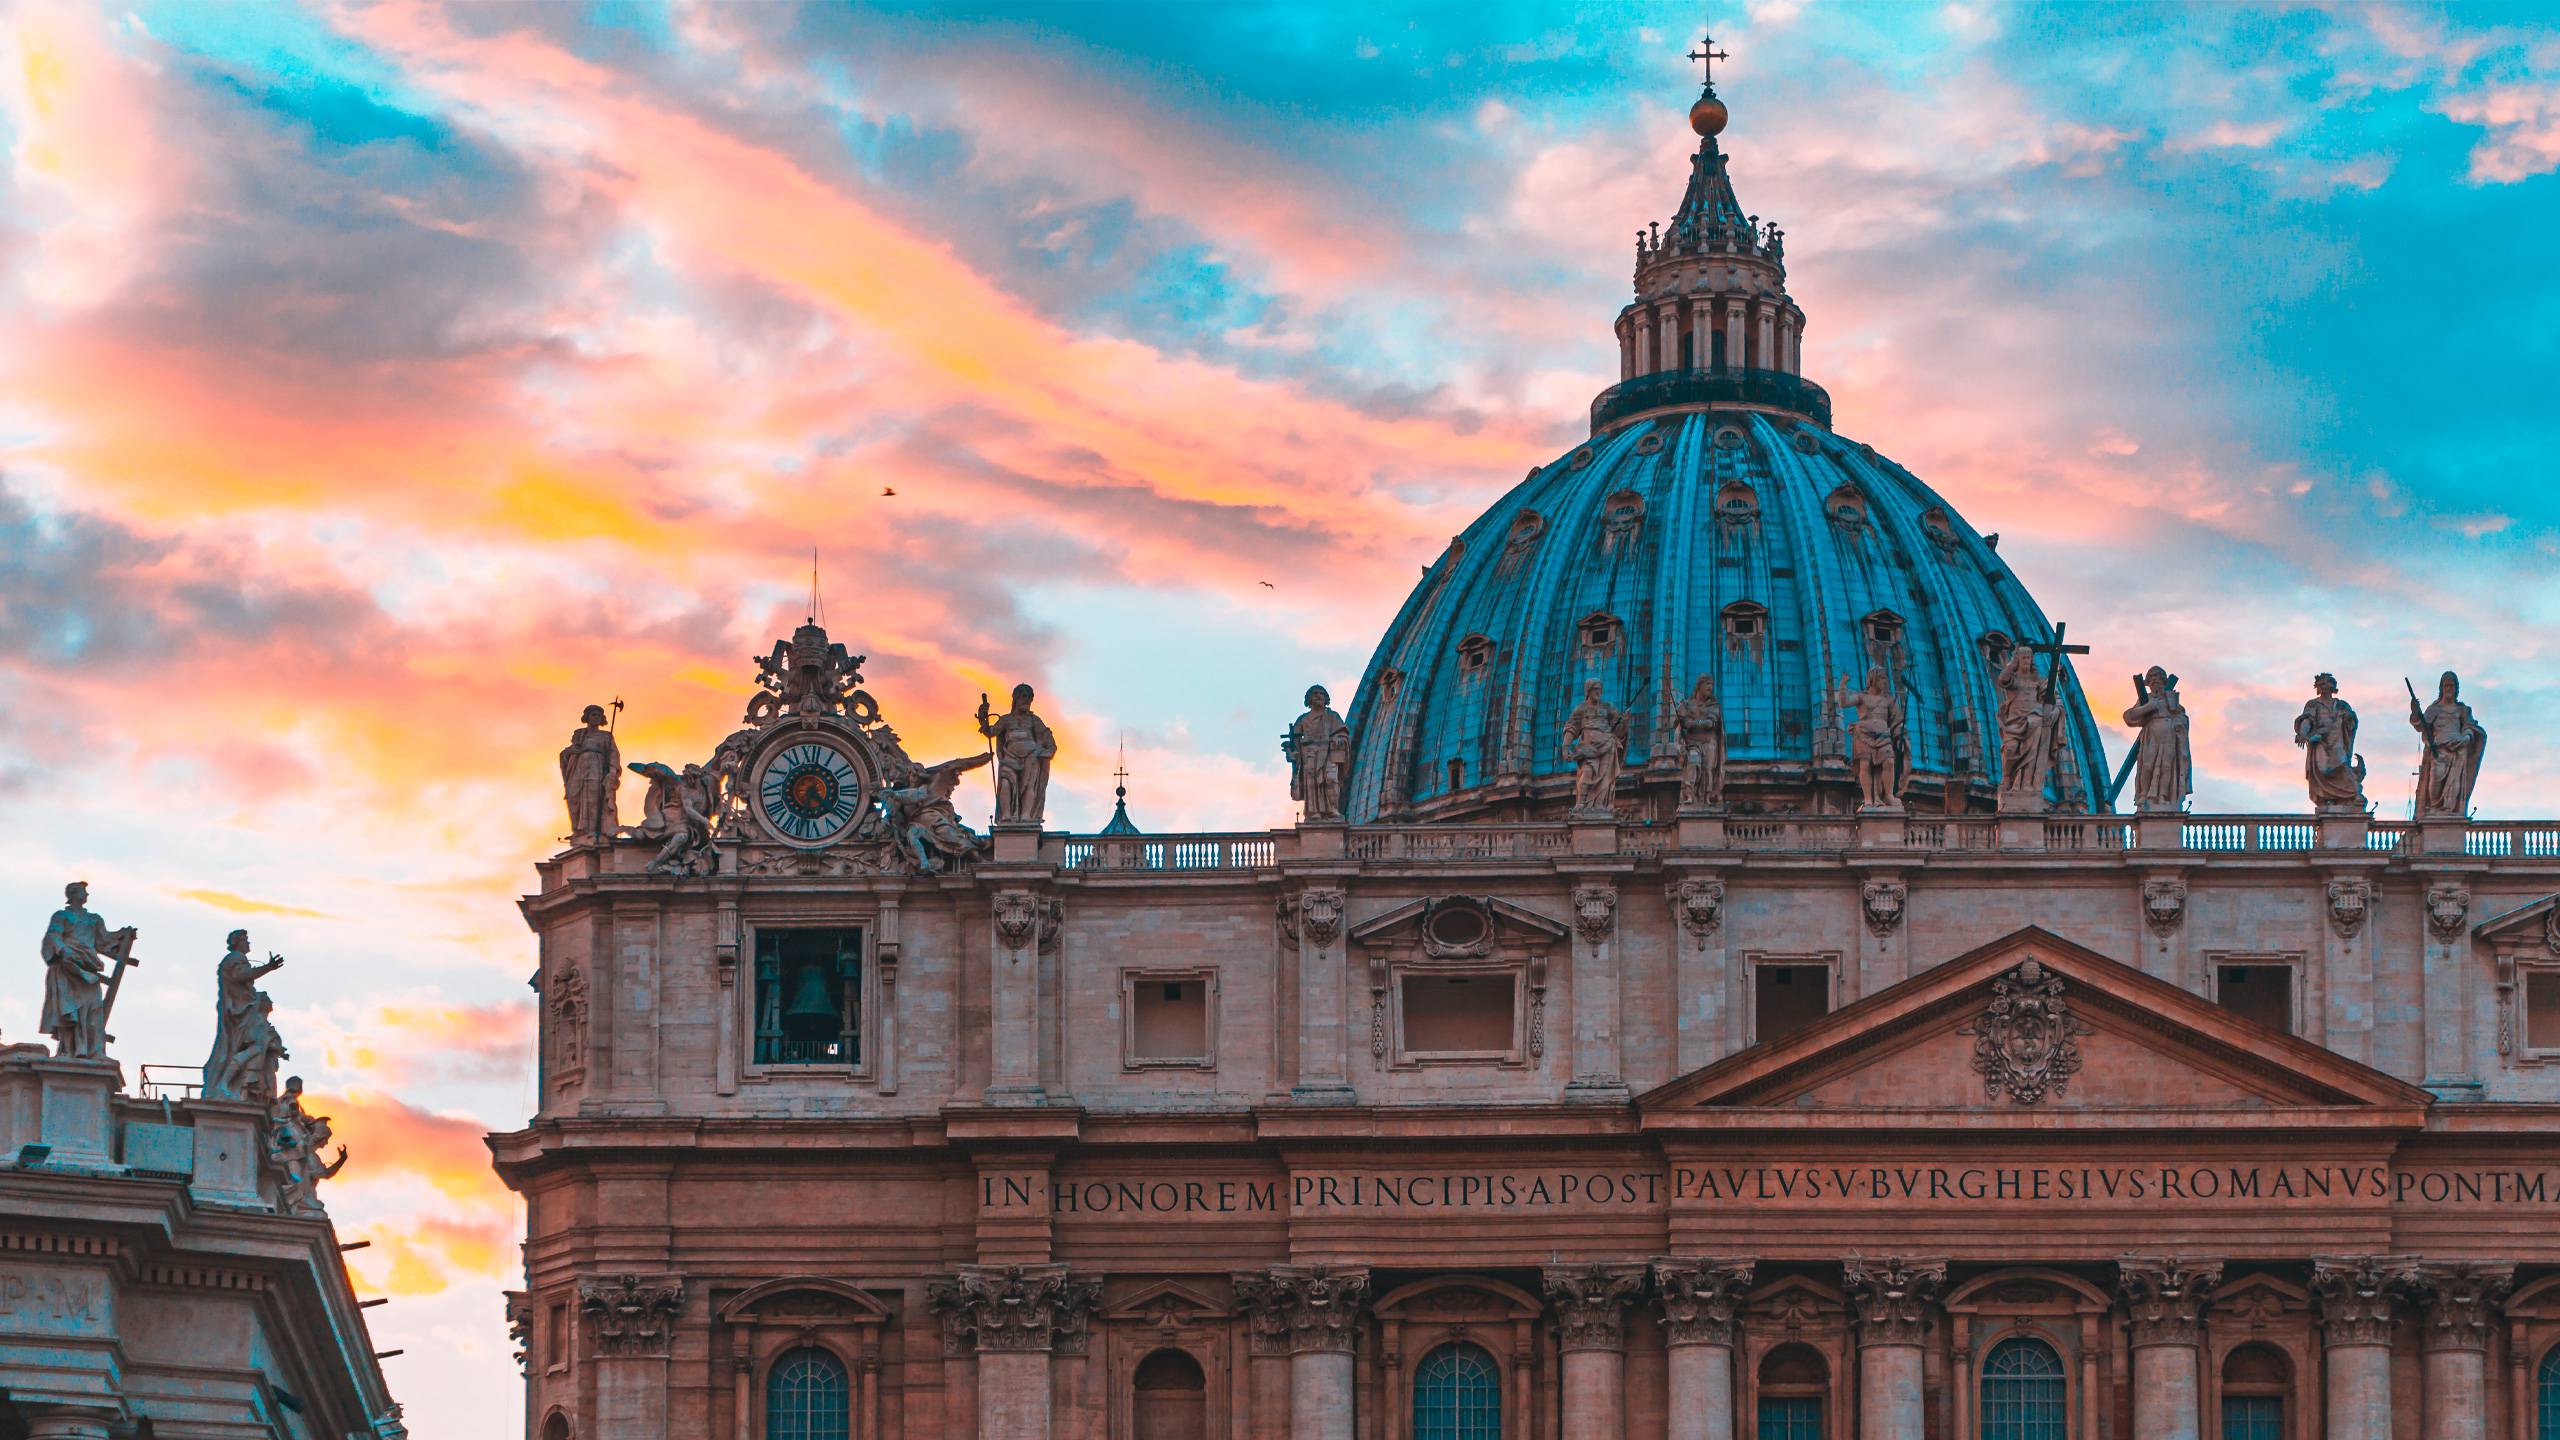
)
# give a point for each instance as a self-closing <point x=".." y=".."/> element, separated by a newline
<point x="2027" y="1043"/>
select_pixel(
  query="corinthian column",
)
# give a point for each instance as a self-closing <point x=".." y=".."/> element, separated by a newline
<point x="2457" y="1303"/>
<point x="2356" y="1299"/>
<point x="1893" y="1301"/>
<point x="1591" y="1322"/>
<point x="1700" y="1302"/>
<point x="633" y="1319"/>
<point x="1013" y="1315"/>
<point x="1319" y="1308"/>
<point x="2164" y="1300"/>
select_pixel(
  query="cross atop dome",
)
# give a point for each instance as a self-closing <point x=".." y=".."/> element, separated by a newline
<point x="1708" y="116"/>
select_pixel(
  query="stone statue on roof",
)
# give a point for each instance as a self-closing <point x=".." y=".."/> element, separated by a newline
<point x="590" y="777"/>
<point x="2164" y="773"/>
<point x="2326" y="731"/>
<point x="1318" y="747"/>
<point x="1880" y="744"/>
<point x="679" y="810"/>
<point x="246" y="1048"/>
<point x="2030" y="730"/>
<point x="1595" y="740"/>
<point x="923" y="821"/>
<point x="1024" y="747"/>
<point x="79" y="985"/>
<point x="2453" y="741"/>
<point x="1698" y="724"/>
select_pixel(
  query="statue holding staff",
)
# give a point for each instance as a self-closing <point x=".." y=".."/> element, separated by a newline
<point x="2452" y="741"/>
<point x="79" y="988"/>
<point x="2164" y="773"/>
<point x="1318" y="747"/>
<point x="1023" y="747"/>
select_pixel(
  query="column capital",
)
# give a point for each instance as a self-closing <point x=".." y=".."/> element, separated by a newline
<point x="2165" y="1295"/>
<point x="2356" y="1295"/>
<point x="1591" y="1303"/>
<point x="631" y="1314"/>
<point x="1892" y="1298"/>
<point x="1299" y="1308"/>
<point x="999" y="1308"/>
<point x="2458" y="1302"/>
<point x="1701" y="1299"/>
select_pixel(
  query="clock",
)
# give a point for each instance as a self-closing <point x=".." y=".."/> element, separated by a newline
<point x="810" y="789"/>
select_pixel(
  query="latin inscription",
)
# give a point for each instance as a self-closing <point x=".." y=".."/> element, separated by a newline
<point x="1424" y="1192"/>
<point x="46" y="1297"/>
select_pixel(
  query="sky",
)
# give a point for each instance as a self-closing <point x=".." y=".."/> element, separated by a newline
<point x="383" y="383"/>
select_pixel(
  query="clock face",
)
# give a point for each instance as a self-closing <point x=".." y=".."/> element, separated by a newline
<point x="810" y="791"/>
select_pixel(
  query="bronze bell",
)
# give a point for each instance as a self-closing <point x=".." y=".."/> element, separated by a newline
<point x="810" y="1008"/>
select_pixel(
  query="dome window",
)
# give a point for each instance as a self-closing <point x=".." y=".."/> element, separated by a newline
<point x="1526" y="527"/>
<point x="1474" y="654"/>
<point x="1600" y="633"/>
<point x="1805" y="442"/>
<point x="1621" y="516"/>
<point x="1847" y="508"/>
<point x="1746" y="630"/>
<point x="1941" y="530"/>
<point x="1883" y="631"/>
<point x="1651" y="444"/>
<point x="1729" y="438"/>
<point x="1582" y="457"/>
<point x="1737" y="509"/>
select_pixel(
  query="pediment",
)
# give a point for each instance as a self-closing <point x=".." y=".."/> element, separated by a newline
<point x="2032" y="1031"/>
<point x="2537" y="923"/>
<point x="1166" y="1303"/>
<point x="805" y="1300"/>
<point x="1456" y="926"/>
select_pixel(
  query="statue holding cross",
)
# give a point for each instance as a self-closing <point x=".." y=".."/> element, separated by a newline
<point x="2030" y="721"/>
<point x="79" y="985"/>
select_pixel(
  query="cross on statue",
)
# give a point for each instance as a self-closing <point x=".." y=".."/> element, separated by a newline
<point x="1707" y="54"/>
<point x="2057" y="649"/>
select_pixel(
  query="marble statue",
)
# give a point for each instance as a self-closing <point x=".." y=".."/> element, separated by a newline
<point x="679" y="810"/>
<point x="2453" y="740"/>
<point x="922" y="820"/>
<point x="1595" y="740"/>
<point x="2326" y="731"/>
<point x="241" y="1065"/>
<point x="2164" y="772"/>
<point x="590" y="776"/>
<point x="295" y="1139"/>
<point x="1318" y="747"/>
<point x="1698" y="724"/>
<point x="79" y="989"/>
<point x="1880" y="749"/>
<point x="2030" y="729"/>
<point x="1024" y="747"/>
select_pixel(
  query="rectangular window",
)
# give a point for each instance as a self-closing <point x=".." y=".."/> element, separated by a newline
<point x="1460" y="1014"/>
<point x="2542" y="1010"/>
<point x="1171" y="1017"/>
<point x="555" y="1339"/>
<point x="2252" y="1417"/>
<point x="808" y="997"/>
<point x="1787" y="998"/>
<point x="1796" y="1417"/>
<point x="2263" y="993"/>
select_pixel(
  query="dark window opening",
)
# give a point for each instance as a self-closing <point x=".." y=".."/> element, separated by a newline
<point x="1746" y="630"/>
<point x="1787" y="998"/>
<point x="1474" y="653"/>
<point x="2542" y="1009"/>
<point x="1171" y="1020"/>
<point x="1170" y="1399"/>
<point x="1719" y="350"/>
<point x="2263" y="993"/>
<point x="808" y="997"/>
<point x="1458" y="1014"/>
<point x="1457" y="774"/>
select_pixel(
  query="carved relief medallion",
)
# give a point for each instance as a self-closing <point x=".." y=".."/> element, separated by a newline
<point x="1698" y="904"/>
<point x="2349" y="901"/>
<point x="1320" y="913"/>
<point x="1883" y="901"/>
<point x="2026" y="1045"/>
<point x="1595" y="913"/>
<point x="2448" y="905"/>
<point x="2164" y="902"/>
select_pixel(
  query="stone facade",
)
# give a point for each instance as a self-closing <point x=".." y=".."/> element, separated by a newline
<point x="153" y="1280"/>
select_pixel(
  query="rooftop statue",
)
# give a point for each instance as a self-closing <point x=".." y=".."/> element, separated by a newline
<point x="1023" y="749"/>
<point x="590" y="776"/>
<point x="2030" y="728"/>
<point x="2326" y="731"/>
<point x="1595" y="740"/>
<point x="1318" y="747"/>
<point x="2453" y="741"/>
<point x="809" y="675"/>
<point x="679" y="810"/>
<point x="79" y="989"/>
<point x="1880" y="751"/>
<point x="922" y="820"/>
<point x="246" y="1048"/>
<point x="1699" y="727"/>
<point x="2164" y="774"/>
<point x="295" y="1139"/>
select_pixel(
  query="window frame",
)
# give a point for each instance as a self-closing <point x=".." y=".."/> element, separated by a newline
<point x="2024" y="1337"/>
<point x="850" y="1370"/>
<point x="2527" y="1052"/>
<point x="866" y="1065"/>
<point x="1405" y="1057"/>
<point x="1755" y="961"/>
<point x="2216" y="961"/>
<point x="1492" y="1364"/>
<point x="1134" y="976"/>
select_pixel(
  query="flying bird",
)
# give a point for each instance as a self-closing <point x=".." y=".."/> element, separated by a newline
<point x="1267" y="585"/>
<point x="888" y="489"/>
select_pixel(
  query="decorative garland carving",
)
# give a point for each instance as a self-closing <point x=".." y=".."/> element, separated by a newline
<point x="629" y="1315"/>
<point x="2165" y="1297"/>
<point x="1701" y="1299"/>
<point x="1591" y="1303"/>
<point x="1893" y="1299"/>
<point x="2026" y="1045"/>
<point x="2356" y="1295"/>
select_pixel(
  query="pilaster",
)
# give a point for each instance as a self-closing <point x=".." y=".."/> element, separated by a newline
<point x="1704" y="989"/>
<point x="2458" y="1308"/>
<point x="1023" y="922"/>
<point x="1597" y="1023"/>
<point x="1320" y="1310"/>
<point x="2347" y="948"/>
<point x="1316" y="914"/>
<point x="1013" y="1317"/>
<point x="2446" y="987"/>
<point x="2357" y="1295"/>
<point x="631" y="1320"/>
<point x="1591" y="1327"/>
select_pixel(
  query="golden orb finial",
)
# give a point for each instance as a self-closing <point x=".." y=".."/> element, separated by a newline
<point x="1708" y="116"/>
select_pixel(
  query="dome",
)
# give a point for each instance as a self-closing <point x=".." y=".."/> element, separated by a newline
<point x="1714" y="525"/>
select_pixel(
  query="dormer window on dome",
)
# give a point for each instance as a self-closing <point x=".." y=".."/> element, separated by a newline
<point x="1737" y="509"/>
<point x="1474" y="654"/>
<point x="1601" y="634"/>
<point x="1621" y="516"/>
<point x="1746" y="630"/>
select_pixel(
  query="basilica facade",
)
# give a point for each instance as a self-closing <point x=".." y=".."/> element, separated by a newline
<point x="1718" y="988"/>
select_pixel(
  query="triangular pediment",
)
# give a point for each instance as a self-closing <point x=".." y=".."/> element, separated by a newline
<point x="1166" y="1303"/>
<point x="2033" y="1031"/>
<point x="2537" y="923"/>
<point x="1458" y="924"/>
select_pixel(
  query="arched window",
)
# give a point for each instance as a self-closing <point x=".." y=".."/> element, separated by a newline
<point x="805" y="1397"/>
<point x="556" y="1428"/>
<point x="1794" y="1384"/>
<point x="1172" y="1400"/>
<point x="2546" y="1395"/>
<point x="2256" y="1381"/>
<point x="2023" y="1396"/>
<point x="1457" y="1395"/>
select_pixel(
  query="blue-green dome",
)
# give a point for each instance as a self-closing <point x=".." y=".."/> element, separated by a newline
<point x="1701" y="538"/>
